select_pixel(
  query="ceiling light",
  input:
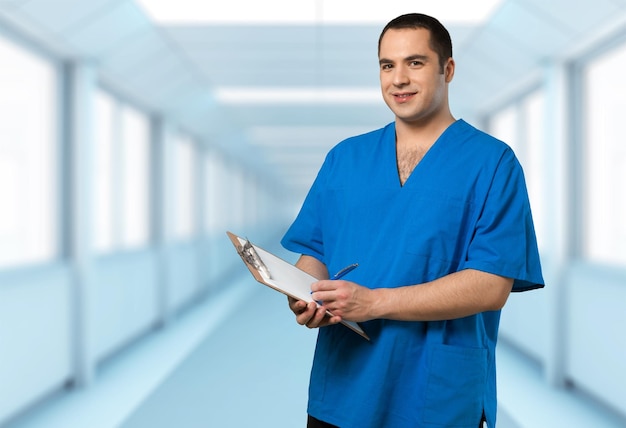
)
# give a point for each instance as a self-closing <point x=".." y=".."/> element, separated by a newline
<point x="265" y="95"/>
<point x="272" y="12"/>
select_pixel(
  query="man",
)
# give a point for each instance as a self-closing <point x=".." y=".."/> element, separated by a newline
<point x="436" y="213"/>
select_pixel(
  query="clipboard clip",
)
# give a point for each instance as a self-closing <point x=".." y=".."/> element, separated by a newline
<point x="251" y="257"/>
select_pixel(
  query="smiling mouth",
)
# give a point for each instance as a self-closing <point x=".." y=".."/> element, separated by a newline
<point x="403" y="96"/>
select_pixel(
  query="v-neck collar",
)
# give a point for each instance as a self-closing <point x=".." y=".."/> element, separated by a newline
<point x="430" y="153"/>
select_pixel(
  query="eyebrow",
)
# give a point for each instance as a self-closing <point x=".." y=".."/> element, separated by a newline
<point x="423" y="58"/>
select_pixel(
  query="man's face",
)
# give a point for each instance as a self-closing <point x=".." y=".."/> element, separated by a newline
<point x="412" y="83"/>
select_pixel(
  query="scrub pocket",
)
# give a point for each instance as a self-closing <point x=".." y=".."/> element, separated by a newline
<point x="440" y="228"/>
<point x="456" y="386"/>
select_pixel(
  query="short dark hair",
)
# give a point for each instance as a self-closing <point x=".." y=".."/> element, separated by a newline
<point x="440" y="40"/>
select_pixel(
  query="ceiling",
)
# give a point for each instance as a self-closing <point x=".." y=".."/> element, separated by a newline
<point x="323" y="79"/>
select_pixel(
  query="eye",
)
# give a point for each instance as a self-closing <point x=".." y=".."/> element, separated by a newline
<point x="386" y="66"/>
<point x="416" y="63"/>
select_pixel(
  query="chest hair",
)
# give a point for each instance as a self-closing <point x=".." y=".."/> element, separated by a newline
<point x="407" y="160"/>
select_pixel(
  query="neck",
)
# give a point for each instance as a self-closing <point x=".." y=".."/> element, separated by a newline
<point x="422" y="134"/>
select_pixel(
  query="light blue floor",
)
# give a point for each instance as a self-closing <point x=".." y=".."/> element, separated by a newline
<point x="251" y="372"/>
<point x="240" y="360"/>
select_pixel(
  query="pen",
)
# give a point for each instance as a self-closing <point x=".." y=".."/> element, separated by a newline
<point x="345" y="271"/>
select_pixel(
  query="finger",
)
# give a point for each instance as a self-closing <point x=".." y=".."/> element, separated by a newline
<point x="326" y="298"/>
<point x="318" y="318"/>
<point x="296" y="305"/>
<point x="335" y="319"/>
<point x="306" y="314"/>
<point x="323" y="285"/>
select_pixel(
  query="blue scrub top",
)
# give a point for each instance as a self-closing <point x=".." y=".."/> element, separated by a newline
<point x="464" y="206"/>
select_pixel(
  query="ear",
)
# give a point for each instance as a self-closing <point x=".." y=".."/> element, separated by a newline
<point x="448" y="70"/>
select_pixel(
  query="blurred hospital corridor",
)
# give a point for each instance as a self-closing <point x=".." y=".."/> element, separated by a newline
<point x="135" y="133"/>
<point x="241" y="361"/>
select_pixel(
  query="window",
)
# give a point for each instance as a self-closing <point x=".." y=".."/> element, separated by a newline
<point x="605" y="159"/>
<point x="503" y="126"/>
<point x="213" y="184"/>
<point x="103" y="172"/>
<point x="122" y="168"/>
<point x="136" y="173"/>
<point x="28" y="163"/>
<point x="534" y="160"/>
<point x="521" y="126"/>
<point x="185" y="189"/>
<point x="238" y="204"/>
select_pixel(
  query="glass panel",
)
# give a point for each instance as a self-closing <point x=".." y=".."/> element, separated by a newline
<point x="103" y="172"/>
<point x="185" y="188"/>
<point x="28" y="157"/>
<point x="503" y="126"/>
<point x="535" y="160"/>
<point x="605" y="160"/>
<point x="212" y="174"/>
<point x="135" y="170"/>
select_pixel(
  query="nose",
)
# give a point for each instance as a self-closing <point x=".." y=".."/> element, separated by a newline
<point x="400" y="76"/>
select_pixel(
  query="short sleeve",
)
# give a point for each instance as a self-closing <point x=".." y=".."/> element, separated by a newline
<point x="504" y="241"/>
<point x="304" y="236"/>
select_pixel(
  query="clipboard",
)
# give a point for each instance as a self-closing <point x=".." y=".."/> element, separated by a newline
<point x="280" y="275"/>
